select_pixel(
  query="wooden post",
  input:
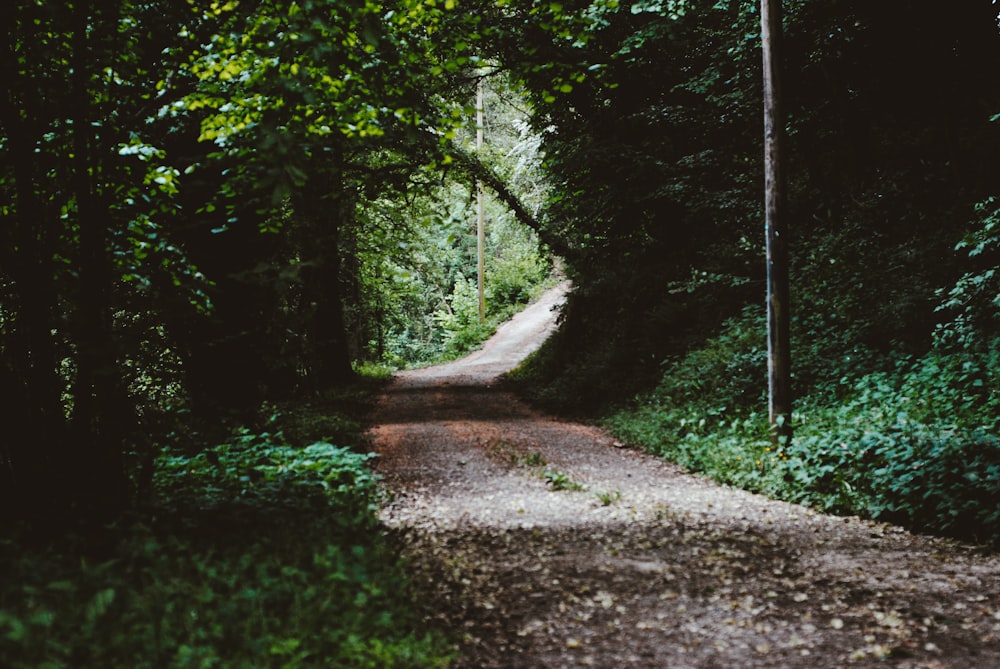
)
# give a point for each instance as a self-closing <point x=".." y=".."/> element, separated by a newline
<point x="775" y="199"/>
<point x="480" y="221"/>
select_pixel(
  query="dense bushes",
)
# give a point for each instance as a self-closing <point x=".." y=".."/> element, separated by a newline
<point x="257" y="554"/>
<point x="918" y="444"/>
<point x="912" y="438"/>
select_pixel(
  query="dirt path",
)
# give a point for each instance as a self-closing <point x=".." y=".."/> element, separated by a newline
<point x="548" y="545"/>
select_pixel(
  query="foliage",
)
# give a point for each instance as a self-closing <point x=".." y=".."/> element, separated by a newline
<point x="210" y="209"/>
<point x="87" y="258"/>
<point x="460" y="319"/>
<point x="422" y="298"/>
<point x="258" y="470"/>
<point x="669" y="116"/>
<point x="560" y="480"/>
<point x="417" y="258"/>
<point x="258" y="554"/>
<point x="974" y="300"/>
<point x="918" y="444"/>
<point x="609" y="497"/>
<point x="184" y="191"/>
<point x="896" y="416"/>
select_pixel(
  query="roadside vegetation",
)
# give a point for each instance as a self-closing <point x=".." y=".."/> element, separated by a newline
<point x="915" y="443"/>
<point x="903" y="436"/>
<point x="261" y="550"/>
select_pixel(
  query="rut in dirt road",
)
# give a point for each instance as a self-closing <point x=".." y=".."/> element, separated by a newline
<point x="543" y="543"/>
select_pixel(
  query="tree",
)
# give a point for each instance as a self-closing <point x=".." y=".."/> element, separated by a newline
<point x="87" y="192"/>
<point x="659" y="239"/>
<point x="265" y="114"/>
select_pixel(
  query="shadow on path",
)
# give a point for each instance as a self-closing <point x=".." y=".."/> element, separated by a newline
<point x="546" y="544"/>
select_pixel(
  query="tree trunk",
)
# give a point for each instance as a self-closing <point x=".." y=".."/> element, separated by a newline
<point x="775" y="198"/>
<point x="29" y="380"/>
<point x="326" y="210"/>
<point x="102" y="415"/>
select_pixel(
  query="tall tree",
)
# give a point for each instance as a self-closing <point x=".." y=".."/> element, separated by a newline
<point x="28" y="340"/>
<point x="78" y="81"/>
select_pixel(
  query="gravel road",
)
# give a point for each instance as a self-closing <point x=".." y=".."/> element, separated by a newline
<point x="545" y="543"/>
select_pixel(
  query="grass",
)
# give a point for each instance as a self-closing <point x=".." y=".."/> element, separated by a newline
<point x="609" y="497"/>
<point x="560" y="480"/>
<point x="256" y="552"/>
<point x="514" y="456"/>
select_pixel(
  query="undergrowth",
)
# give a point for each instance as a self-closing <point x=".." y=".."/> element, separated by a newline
<point x="256" y="553"/>
<point x="916" y="443"/>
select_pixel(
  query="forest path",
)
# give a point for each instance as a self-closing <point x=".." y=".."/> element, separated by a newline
<point x="545" y="544"/>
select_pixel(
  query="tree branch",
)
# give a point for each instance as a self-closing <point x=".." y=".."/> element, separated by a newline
<point x="478" y="170"/>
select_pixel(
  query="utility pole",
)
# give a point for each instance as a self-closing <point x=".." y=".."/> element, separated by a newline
<point x="480" y="221"/>
<point x="779" y="381"/>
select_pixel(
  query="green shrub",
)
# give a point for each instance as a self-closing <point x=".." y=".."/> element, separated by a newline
<point x="258" y="554"/>
<point x="974" y="300"/>
<point x="918" y="444"/>
<point x="513" y="277"/>
<point x="722" y="374"/>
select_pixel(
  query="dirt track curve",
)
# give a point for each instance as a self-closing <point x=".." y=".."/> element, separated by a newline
<point x="545" y="544"/>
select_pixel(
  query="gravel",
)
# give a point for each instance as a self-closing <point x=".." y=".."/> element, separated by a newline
<point x="543" y="543"/>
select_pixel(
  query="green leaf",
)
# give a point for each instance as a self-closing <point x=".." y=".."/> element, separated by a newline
<point x="99" y="604"/>
<point x="16" y="630"/>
